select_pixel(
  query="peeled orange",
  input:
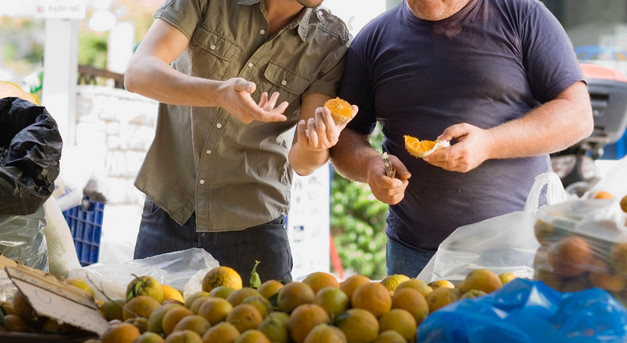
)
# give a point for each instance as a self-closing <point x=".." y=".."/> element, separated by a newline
<point x="418" y="148"/>
<point x="341" y="110"/>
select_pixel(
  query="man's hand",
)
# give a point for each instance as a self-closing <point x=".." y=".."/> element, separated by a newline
<point x="320" y="132"/>
<point x="473" y="147"/>
<point x="235" y="97"/>
<point x="386" y="189"/>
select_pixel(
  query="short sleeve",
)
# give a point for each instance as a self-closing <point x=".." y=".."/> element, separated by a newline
<point x="549" y="56"/>
<point x="182" y="14"/>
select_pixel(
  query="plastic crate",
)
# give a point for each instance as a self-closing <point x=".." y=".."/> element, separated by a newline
<point x="85" y="223"/>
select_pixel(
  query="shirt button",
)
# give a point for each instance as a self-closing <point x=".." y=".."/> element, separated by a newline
<point x="219" y="126"/>
<point x="208" y="152"/>
<point x="262" y="32"/>
<point x="283" y="82"/>
<point x="212" y="47"/>
<point x="202" y="182"/>
<point x="250" y="65"/>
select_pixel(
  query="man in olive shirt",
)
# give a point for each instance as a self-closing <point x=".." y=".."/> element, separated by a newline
<point x="218" y="174"/>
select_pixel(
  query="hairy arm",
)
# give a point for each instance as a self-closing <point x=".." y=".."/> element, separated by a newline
<point x="354" y="158"/>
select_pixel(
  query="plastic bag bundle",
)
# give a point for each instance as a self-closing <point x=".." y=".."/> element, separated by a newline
<point x="30" y="151"/>
<point x="583" y="242"/>
<point x="501" y="244"/>
<point x="526" y="311"/>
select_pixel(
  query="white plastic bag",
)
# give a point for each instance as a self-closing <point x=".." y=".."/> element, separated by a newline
<point x="175" y="269"/>
<point x="502" y="244"/>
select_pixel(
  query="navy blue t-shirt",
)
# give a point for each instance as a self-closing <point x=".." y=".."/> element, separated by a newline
<point x="490" y="63"/>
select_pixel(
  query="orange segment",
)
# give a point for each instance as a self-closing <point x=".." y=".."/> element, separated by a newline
<point x="418" y="148"/>
<point x="341" y="110"/>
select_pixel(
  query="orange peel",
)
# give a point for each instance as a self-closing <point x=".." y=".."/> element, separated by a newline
<point x="421" y="148"/>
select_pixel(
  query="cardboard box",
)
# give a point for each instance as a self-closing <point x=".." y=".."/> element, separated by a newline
<point x="55" y="299"/>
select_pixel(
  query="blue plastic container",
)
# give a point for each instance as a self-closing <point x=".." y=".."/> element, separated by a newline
<point x="85" y="223"/>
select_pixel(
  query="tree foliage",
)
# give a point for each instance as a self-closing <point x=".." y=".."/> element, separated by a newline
<point x="358" y="224"/>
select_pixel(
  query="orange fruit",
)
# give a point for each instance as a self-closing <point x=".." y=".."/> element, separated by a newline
<point x="148" y="337"/>
<point x="244" y="317"/>
<point x="318" y="280"/>
<point x="173" y="317"/>
<point x="196" y="323"/>
<point x="389" y="336"/>
<point x="570" y="256"/>
<point x="441" y="283"/>
<point x="293" y="294"/>
<point x="507" y="277"/>
<point x="373" y="297"/>
<point x="352" y="282"/>
<point x="324" y="333"/>
<point x="399" y="320"/>
<point x="221" y="276"/>
<point x="155" y="320"/>
<point x="112" y="309"/>
<point x="269" y="288"/>
<point x="303" y="319"/>
<point x="252" y="336"/>
<point x="275" y="327"/>
<point x="222" y="332"/>
<point x="417" y="284"/>
<point x="185" y="336"/>
<point x="215" y="310"/>
<point x="171" y="293"/>
<point x="341" y="110"/>
<point x="412" y="301"/>
<point x="237" y="296"/>
<point x="623" y="203"/>
<point x="262" y="304"/>
<point x="603" y="195"/>
<point x="481" y="279"/>
<point x="392" y="281"/>
<point x="189" y="300"/>
<point x="221" y="292"/>
<point x="333" y="300"/>
<point x="81" y="284"/>
<point x="197" y="303"/>
<point x="441" y="297"/>
<point x="120" y="333"/>
<point x="16" y="323"/>
<point x="421" y="148"/>
<point x="139" y="306"/>
<point x="358" y="325"/>
<point x="144" y="285"/>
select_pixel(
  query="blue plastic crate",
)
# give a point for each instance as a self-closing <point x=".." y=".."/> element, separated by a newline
<point x="86" y="227"/>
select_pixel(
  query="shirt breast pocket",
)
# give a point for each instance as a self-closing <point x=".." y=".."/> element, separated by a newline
<point x="215" y="57"/>
<point x="287" y="81"/>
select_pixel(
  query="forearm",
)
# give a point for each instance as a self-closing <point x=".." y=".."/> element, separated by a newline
<point x="305" y="162"/>
<point x="552" y="127"/>
<point x="351" y="154"/>
<point x="157" y="80"/>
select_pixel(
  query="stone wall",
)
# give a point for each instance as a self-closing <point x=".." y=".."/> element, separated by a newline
<point x="114" y="129"/>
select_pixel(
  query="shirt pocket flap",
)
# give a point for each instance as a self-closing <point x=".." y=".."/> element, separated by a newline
<point x="287" y="79"/>
<point x="215" y="44"/>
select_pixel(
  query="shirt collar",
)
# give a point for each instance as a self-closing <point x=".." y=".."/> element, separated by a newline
<point x="301" y="22"/>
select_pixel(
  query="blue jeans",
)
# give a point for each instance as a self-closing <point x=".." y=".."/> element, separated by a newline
<point x="267" y="243"/>
<point x="400" y="259"/>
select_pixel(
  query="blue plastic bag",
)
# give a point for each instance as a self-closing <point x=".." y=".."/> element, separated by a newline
<point x="526" y="311"/>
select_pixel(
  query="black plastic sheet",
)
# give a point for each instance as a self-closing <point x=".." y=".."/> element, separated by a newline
<point x="30" y="151"/>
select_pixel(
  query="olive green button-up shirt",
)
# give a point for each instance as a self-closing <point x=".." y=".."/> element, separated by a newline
<point x="236" y="175"/>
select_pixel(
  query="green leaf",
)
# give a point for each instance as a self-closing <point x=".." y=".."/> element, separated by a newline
<point x="255" y="280"/>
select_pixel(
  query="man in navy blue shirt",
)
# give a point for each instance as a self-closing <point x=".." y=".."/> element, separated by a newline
<point x="497" y="78"/>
